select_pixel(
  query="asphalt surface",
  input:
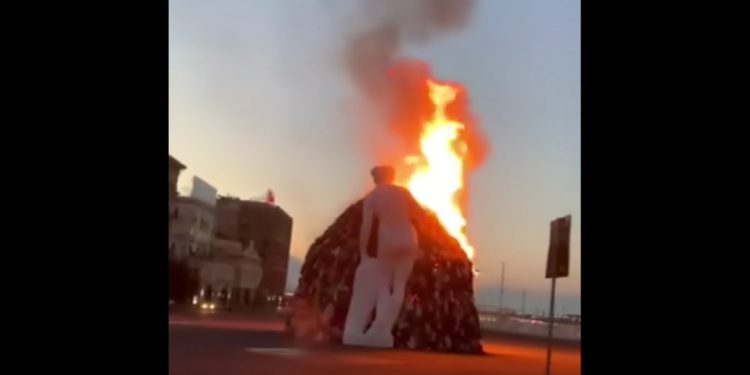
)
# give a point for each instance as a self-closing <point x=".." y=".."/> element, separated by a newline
<point x="226" y="344"/>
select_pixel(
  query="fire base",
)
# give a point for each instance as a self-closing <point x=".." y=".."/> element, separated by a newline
<point x="438" y="313"/>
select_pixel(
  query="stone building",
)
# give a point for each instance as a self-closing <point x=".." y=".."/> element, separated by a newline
<point x="268" y="229"/>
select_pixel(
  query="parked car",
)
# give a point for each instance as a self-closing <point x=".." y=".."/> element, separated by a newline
<point x="207" y="306"/>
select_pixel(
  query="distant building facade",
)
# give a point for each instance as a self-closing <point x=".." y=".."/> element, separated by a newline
<point x="265" y="227"/>
<point x="239" y="249"/>
<point x="231" y="275"/>
<point x="193" y="222"/>
<point x="192" y="228"/>
<point x="175" y="167"/>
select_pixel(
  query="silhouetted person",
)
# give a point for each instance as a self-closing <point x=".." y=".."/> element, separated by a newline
<point x="380" y="282"/>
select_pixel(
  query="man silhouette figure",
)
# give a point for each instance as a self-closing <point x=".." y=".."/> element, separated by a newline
<point x="380" y="282"/>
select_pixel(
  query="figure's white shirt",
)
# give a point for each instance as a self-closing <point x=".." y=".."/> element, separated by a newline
<point x="391" y="205"/>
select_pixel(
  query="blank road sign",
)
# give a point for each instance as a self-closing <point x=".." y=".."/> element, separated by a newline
<point x="558" y="257"/>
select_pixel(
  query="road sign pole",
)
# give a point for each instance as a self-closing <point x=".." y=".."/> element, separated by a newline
<point x="550" y="326"/>
<point x="557" y="266"/>
<point x="502" y="285"/>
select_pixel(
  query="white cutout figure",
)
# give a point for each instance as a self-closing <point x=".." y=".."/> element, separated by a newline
<point x="380" y="282"/>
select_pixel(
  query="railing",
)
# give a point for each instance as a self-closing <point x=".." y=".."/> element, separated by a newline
<point x="534" y="328"/>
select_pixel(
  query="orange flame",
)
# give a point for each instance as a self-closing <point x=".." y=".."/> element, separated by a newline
<point x="438" y="172"/>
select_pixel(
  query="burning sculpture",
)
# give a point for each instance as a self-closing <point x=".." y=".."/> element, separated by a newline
<point x="406" y="279"/>
<point x="438" y="311"/>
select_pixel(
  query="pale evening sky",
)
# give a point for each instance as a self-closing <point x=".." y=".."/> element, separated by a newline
<point x="259" y="99"/>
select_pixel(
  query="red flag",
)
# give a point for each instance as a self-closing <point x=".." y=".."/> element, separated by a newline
<point x="270" y="198"/>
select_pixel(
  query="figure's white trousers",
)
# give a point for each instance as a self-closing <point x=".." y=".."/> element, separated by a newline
<point x="380" y="285"/>
<point x="364" y="298"/>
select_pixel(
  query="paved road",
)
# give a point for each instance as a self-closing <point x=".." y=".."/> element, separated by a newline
<point x="233" y="345"/>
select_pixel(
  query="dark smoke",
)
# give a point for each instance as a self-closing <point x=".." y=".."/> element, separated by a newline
<point x="392" y="23"/>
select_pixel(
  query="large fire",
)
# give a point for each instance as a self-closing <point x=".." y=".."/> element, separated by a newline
<point x="438" y="171"/>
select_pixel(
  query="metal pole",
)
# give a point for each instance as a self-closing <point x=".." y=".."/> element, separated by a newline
<point x="502" y="283"/>
<point x="551" y="322"/>
<point x="523" y="302"/>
